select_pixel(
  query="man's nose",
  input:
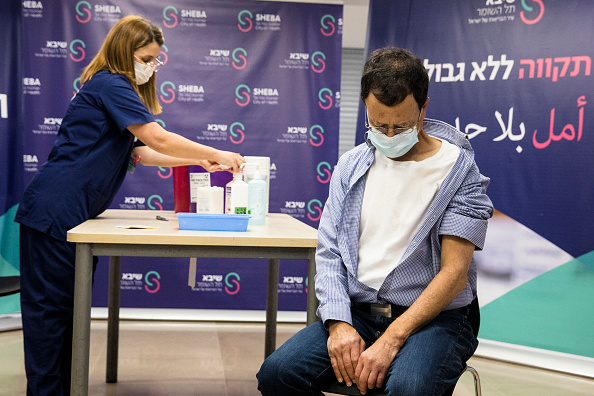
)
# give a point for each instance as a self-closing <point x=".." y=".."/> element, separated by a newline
<point x="390" y="132"/>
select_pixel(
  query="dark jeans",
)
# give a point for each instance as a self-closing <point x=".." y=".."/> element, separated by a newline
<point x="429" y="363"/>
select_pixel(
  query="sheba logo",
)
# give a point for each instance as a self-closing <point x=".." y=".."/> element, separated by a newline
<point x="298" y="56"/>
<point x="56" y="44"/>
<point x="294" y="205"/>
<point x="239" y="58"/>
<point x="30" y="159"/>
<point x="193" y="14"/>
<point x="242" y="95"/>
<point x="191" y="88"/>
<point x="131" y="276"/>
<point x="245" y="21"/>
<point x="292" y="279"/>
<point x="135" y="200"/>
<point x="33" y="4"/>
<point x="212" y="278"/>
<point x="52" y="121"/>
<point x="216" y="127"/>
<point x="83" y="11"/>
<point x="107" y="9"/>
<point x="31" y="81"/>
<point x="265" y="92"/>
<point x="268" y="18"/>
<point x="318" y="62"/>
<point x="297" y="130"/>
<point x="237" y="131"/>
<point x="170" y="17"/>
<point x="219" y="52"/>
<point x="152" y="282"/>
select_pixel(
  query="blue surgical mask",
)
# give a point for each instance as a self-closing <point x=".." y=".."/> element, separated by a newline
<point x="395" y="146"/>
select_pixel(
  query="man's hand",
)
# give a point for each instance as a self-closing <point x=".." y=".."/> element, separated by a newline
<point x="345" y="346"/>
<point x="374" y="363"/>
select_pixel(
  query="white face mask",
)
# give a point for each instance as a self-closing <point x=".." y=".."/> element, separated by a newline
<point x="395" y="146"/>
<point x="143" y="72"/>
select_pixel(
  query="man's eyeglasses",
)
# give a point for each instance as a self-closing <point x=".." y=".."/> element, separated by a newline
<point x="385" y="130"/>
<point x="155" y="65"/>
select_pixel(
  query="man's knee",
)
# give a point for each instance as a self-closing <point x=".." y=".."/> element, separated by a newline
<point x="409" y="387"/>
<point x="296" y="363"/>
<point x="419" y="384"/>
<point x="268" y="374"/>
<point x="278" y="374"/>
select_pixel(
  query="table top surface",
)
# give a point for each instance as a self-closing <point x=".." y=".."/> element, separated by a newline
<point x="281" y="230"/>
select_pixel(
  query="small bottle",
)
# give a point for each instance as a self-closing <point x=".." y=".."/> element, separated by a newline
<point x="257" y="199"/>
<point x="236" y="195"/>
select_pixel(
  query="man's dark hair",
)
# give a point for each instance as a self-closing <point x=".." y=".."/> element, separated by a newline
<point x="391" y="74"/>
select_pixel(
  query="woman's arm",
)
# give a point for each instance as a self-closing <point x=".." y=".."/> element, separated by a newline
<point x="149" y="157"/>
<point x="187" y="152"/>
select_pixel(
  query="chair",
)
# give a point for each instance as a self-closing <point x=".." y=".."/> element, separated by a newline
<point x="9" y="285"/>
<point x="342" y="389"/>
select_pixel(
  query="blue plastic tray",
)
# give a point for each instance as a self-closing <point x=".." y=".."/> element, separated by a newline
<point x="213" y="222"/>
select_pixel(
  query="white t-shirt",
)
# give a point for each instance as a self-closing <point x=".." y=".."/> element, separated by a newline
<point x="397" y="196"/>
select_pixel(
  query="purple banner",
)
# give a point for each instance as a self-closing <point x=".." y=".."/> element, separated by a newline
<point x="516" y="77"/>
<point x="11" y="154"/>
<point x="258" y="78"/>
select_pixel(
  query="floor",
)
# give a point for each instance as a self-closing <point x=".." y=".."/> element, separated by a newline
<point x="197" y="358"/>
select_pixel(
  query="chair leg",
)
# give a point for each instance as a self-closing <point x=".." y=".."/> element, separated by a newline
<point x="477" y="380"/>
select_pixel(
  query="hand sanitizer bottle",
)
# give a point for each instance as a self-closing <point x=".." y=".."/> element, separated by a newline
<point x="257" y="199"/>
<point x="236" y="195"/>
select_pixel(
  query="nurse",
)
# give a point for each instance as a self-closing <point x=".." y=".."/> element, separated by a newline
<point x="108" y="127"/>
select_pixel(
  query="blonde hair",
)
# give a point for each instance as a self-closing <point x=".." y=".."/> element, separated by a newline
<point x="117" y="52"/>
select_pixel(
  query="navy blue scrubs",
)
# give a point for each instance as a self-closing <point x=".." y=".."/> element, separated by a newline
<point x="84" y="171"/>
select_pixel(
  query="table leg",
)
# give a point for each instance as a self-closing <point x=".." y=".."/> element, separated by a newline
<point x="312" y="301"/>
<point x="81" y="320"/>
<point x="271" y="307"/>
<point x="113" y="320"/>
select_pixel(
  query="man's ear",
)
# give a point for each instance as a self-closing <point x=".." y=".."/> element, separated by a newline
<point x="424" y="109"/>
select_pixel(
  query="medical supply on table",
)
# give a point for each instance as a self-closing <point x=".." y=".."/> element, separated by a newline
<point x="236" y="195"/>
<point x="209" y="200"/>
<point x="197" y="179"/>
<point x="181" y="189"/>
<point x="257" y="198"/>
<point x="213" y="222"/>
<point x="250" y="170"/>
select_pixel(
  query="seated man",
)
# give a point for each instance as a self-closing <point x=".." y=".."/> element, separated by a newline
<point x="395" y="275"/>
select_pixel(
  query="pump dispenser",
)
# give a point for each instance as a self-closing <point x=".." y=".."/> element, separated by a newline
<point x="257" y="198"/>
<point x="236" y="195"/>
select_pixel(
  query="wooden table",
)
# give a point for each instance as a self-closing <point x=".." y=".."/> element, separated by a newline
<point x="283" y="237"/>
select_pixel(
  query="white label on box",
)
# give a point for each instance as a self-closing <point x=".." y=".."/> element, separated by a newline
<point x="198" y="180"/>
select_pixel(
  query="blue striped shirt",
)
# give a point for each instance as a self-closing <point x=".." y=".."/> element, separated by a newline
<point x="460" y="208"/>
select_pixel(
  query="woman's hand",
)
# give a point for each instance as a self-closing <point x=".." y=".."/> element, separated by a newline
<point x="210" y="166"/>
<point x="227" y="160"/>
